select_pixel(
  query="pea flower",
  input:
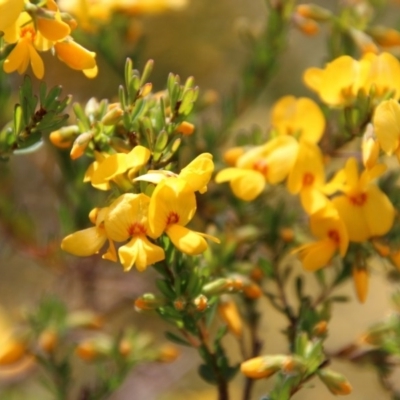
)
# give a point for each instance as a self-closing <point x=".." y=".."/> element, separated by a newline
<point x="364" y="208"/>
<point x="270" y="163"/>
<point x="307" y="177"/>
<point x="386" y="121"/>
<point x="326" y="225"/>
<point x="300" y="117"/>
<point x="172" y="207"/>
<point x="127" y="219"/>
<point x="90" y="241"/>
<point x="9" y="12"/>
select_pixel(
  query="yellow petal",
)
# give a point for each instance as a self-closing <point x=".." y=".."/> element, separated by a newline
<point x="85" y="242"/>
<point x="109" y="168"/>
<point x="246" y="184"/>
<point x="313" y="200"/>
<point x="137" y="157"/>
<point x="75" y="56"/>
<point x="316" y="255"/>
<point x="127" y="217"/>
<point x="36" y="62"/>
<point x="91" y="72"/>
<point x="141" y="253"/>
<point x="9" y="12"/>
<point x="172" y="200"/>
<point x="53" y="29"/>
<point x="354" y="218"/>
<point x="19" y="56"/>
<point x="379" y="211"/>
<point x="187" y="241"/>
<point x="313" y="78"/>
<point x="198" y="172"/>
<point x="386" y="123"/>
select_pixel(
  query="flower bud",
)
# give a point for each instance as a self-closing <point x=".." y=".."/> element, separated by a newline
<point x="230" y="315"/>
<point x="232" y="155"/>
<point x="320" y="328"/>
<point x="112" y="116"/>
<point x="335" y="382"/>
<point x="381" y="248"/>
<point x="307" y="26"/>
<point x="361" y="282"/>
<point x="80" y="144"/>
<point x="145" y="89"/>
<point x="314" y="12"/>
<point x="168" y="353"/>
<point x="263" y="366"/>
<point x="256" y="274"/>
<point x="64" y="137"/>
<point x="185" y="128"/>
<point x="201" y="303"/>
<point x="124" y="347"/>
<point x="86" y="351"/>
<point x="385" y="37"/>
<point x="148" y="302"/>
<point x="180" y="304"/>
<point x="48" y="341"/>
<point x="286" y="234"/>
<point x="252" y="291"/>
<point x="363" y="41"/>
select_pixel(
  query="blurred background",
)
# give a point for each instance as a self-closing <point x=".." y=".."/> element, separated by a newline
<point x="201" y="39"/>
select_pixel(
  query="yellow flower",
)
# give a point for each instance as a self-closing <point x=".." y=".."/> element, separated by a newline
<point x="270" y="163"/>
<point x="76" y="57"/>
<point x="327" y="226"/>
<point x="339" y="82"/>
<point x="112" y="167"/>
<point x="383" y="74"/>
<point x="24" y="51"/>
<point x="263" y="366"/>
<point x="364" y="208"/>
<point x="361" y="281"/>
<point x="197" y="173"/>
<point x="127" y="219"/>
<point x="386" y="123"/>
<point x="229" y="313"/>
<point x="307" y="177"/>
<point x="90" y="241"/>
<point x="91" y="170"/>
<point x="300" y="117"/>
<point x="172" y="206"/>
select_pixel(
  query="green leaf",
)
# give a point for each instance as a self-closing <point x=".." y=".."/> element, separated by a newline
<point x="207" y="374"/>
<point x="176" y="339"/>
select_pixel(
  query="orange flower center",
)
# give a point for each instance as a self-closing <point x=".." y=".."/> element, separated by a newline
<point x="28" y="32"/>
<point x="173" y="218"/>
<point x="136" y="229"/>
<point x="260" y="166"/>
<point x="334" y="235"/>
<point x="308" y="179"/>
<point x="358" y="199"/>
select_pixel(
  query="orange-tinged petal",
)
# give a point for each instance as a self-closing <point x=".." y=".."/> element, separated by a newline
<point x="36" y="62"/>
<point x="85" y="242"/>
<point x="111" y="253"/>
<point x="74" y="55"/>
<point x="53" y="29"/>
<point x="19" y="56"/>
<point x="91" y="72"/>
<point x="386" y="123"/>
<point x="187" y="241"/>
<point x="317" y="255"/>
<point x="141" y="253"/>
<point x="361" y="282"/>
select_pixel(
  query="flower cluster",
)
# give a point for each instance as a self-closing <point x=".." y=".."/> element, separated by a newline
<point x="29" y="29"/>
<point x="138" y="220"/>
<point x="350" y="207"/>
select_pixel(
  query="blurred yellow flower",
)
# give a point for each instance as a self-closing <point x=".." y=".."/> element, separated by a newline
<point x="270" y="163"/>
<point x="172" y="207"/>
<point x="364" y="208"/>
<point x="328" y="227"/>
<point x="299" y="117"/>
<point x="127" y="219"/>
<point x="339" y="82"/>
<point x="386" y="121"/>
